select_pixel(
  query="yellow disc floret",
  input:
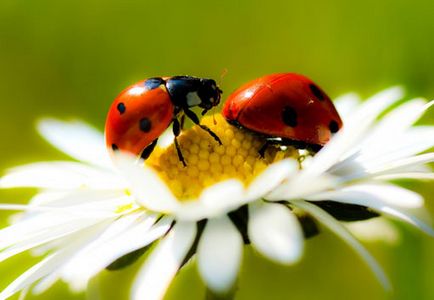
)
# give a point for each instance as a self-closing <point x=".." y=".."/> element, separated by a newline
<point x="208" y="162"/>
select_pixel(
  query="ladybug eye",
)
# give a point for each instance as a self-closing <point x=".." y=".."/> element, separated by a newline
<point x="316" y="92"/>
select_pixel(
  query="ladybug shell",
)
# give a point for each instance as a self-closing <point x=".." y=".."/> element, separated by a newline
<point x="289" y="106"/>
<point x="137" y="117"/>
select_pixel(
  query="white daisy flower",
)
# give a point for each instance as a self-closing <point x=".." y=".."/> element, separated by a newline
<point x="89" y="215"/>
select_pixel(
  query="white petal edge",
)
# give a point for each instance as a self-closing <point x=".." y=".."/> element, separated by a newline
<point x="402" y="164"/>
<point x="375" y="230"/>
<point x="391" y="148"/>
<point x="406" y="175"/>
<point x="296" y="187"/>
<point x="271" y="177"/>
<point x="381" y="203"/>
<point x="215" y="200"/>
<point x="346" y="104"/>
<point x="219" y="254"/>
<point x="275" y="232"/>
<point x="367" y="194"/>
<point x="77" y="139"/>
<point x="44" y="223"/>
<point x="49" y="264"/>
<point x="61" y="175"/>
<point x="396" y="121"/>
<point x="161" y="266"/>
<point x="150" y="191"/>
<point x="342" y="232"/>
<point x="345" y="141"/>
<point x="90" y="261"/>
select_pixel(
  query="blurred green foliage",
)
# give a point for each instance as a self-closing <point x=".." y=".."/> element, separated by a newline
<point x="71" y="58"/>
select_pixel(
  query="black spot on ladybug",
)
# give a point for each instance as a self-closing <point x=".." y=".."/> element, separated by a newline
<point x="333" y="126"/>
<point x="145" y="125"/>
<point x="121" y="108"/>
<point x="153" y="83"/>
<point x="115" y="147"/>
<point x="316" y="91"/>
<point x="289" y="116"/>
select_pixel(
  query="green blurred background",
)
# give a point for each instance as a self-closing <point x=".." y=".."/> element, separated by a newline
<point x="71" y="58"/>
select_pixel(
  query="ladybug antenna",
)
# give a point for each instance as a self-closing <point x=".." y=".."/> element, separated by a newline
<point x="223" y="75"/>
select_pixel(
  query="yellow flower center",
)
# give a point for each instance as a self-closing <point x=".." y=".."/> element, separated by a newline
<point x="208" y="162"/>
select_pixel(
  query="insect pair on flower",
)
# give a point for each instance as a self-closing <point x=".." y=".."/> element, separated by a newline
<point x="284" y="109"/>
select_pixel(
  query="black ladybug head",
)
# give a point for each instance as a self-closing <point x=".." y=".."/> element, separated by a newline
<point x="188" y="91"/>
<point x="209" y="94"/>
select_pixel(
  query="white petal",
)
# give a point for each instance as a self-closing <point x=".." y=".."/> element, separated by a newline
<point x="162" y="265"/>
<point x="407" y="216"/>
<point x="43" y="224"/>
<point x="219" y="254"/>
<point x="396" y="121"/>
<point x="49" y="264"/>
<point x="375" y="230"/>
<point x="370" y="194"/>
<point x="347" y="104"/>
<point x="166" y="139"/>
<point x="78" y="197"/>
<point x="215" y="200"/>
<point x="275" y="232"/>
<point x="297" y="187"/>
<point x="107" y="248"/>
<point x="46" y="283"/>
<point x="271" y="177"/>
<point x="45" y="237"/>
<point x="391" y="148"/>
<point x="407" y="175"/>
<point x="61" y="175"/>
<point x="388" y="199"/>
<point x="47" y="196"/>
<point x="347" y="237"/>
<point x="146" y="185"/>
<point x="402" y="164"/>
<point x="373" y="107"/>
<point x="77" y="139"/>
<point x="224" y="194"/>
<point x="222" y="197"/>
<point x="347" y="140"/>
<point x="33" y="274"/>
<point x="114" y="242"/>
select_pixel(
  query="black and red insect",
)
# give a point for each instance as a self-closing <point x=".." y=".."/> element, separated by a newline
<point x="286" y="109"/>
<point x="143" y="111"/>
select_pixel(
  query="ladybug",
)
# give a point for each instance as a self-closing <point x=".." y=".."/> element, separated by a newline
<point x="285" y="109"/>
<point x="143" y="111"/>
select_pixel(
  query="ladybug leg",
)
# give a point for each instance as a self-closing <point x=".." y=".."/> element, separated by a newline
<point x="268" y="142"/>
<point x="182" y="121"/>
<point x="148" y="150"/>
<point x="192" y="116"/>
<point x="263" y="149"/>
<point x="176" y="132"/>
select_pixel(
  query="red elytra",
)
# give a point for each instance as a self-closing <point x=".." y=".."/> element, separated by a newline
<point x="123" y="130"/>
<point x="143" y="111"/>
<point x="287" y="106"/>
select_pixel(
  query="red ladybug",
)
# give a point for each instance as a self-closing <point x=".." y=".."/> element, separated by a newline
<point x="286" y="109"/>
<point x="140" y="114"/>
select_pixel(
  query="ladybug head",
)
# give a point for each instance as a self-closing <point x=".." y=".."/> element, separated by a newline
<point x="209" y="94"/>
<point x="193" y="91"/>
